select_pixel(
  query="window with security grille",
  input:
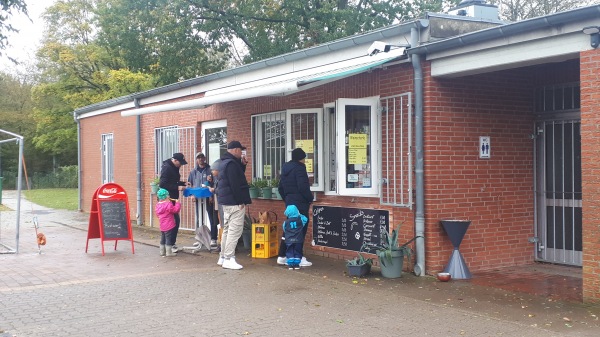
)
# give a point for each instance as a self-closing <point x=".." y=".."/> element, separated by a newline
<point x="107" y="158"/>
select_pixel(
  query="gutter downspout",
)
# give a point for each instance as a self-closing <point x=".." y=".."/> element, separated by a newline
<point x="79" y="208"/>
<point x="138" y="151"/>
<point x="419" y="268"/>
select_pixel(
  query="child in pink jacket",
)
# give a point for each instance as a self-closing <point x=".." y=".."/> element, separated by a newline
<point x="165" y="209"/>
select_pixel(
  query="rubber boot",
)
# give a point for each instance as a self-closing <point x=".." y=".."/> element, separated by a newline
<point x="170" y="251"/>
<point x="163" y="250"/>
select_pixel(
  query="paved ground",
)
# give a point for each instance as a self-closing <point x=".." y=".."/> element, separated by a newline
<point x="66" y="292"/>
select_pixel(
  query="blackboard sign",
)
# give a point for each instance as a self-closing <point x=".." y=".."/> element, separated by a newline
<point x="114" y="219"/>
<point x="348" y="228"/>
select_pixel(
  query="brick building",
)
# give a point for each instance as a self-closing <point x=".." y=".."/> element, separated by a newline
<point x="471" y="119"/>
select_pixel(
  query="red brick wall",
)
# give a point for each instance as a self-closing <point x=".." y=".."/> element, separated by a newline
<point x="590" y="152"/>
<point x="495" y="194"/>
<point x="123" y="130"/>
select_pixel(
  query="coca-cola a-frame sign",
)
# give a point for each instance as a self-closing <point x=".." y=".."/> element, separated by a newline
<point x="109" y="216"/>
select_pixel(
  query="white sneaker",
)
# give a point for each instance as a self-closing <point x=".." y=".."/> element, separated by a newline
<point x="281" y="260"/>
<point x="174" y="249"/>
<point x="305" y="263"/>
<point x="221" y="260"/>
<point x="231" y="264"/>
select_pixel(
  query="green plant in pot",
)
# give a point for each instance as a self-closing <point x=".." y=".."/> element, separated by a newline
<point x="359" y="266"/>
<point x="275" y="189"/>
<point x="391" y="254"/>
<point x="263" y="185"/>
<point x="254" y="191"/>
<point x="154" y="185"/>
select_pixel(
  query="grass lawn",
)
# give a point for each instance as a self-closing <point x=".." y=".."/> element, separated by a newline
<point x="58" y="198"/>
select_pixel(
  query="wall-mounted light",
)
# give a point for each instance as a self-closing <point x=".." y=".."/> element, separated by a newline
<point x="594" y="33"/>
<point x="382" y="47"/>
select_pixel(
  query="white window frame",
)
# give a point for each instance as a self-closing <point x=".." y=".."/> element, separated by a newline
<point x="211" y="153"/>
<point x="319" y="185"/>
<point x="373" y="103"/>
<point x="257" y="130"/>
<point x="164" y="150"/>
<point x="108" y="157"/>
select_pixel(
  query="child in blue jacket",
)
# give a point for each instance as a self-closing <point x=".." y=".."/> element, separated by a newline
<point x="294" y="235"/>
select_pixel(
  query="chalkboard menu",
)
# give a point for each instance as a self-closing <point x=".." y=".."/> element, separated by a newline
<point x="114" y="219"/>
<point x="348" y="228"/>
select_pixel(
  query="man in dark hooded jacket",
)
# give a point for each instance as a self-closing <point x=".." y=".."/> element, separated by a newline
<point x="170" y="180"/>
<point x="233" y="195"/>
<point x="294" y="188"/>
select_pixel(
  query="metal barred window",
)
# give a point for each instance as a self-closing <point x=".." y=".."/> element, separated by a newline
<point x="396" y="142"/>
<point x="268" y="144"/>
<point x="107" y="158"/>
<point x="557" y="98"/>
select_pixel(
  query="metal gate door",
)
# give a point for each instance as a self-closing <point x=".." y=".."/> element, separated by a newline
<point x="558" y="191"/>
<point x="170" y="140"/>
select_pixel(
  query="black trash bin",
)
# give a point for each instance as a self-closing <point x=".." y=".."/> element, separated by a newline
<point x="456" y="266"/>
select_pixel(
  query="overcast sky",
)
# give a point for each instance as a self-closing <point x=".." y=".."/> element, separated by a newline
<point x="25" y="43"/>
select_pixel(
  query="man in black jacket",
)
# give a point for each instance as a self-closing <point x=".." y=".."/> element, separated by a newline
<point x="233" y="194"/>
<point x="170" y="180"/>
<point x="294" y="188"/>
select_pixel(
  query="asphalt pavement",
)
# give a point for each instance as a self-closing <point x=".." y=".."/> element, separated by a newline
<point x="64" y="291"/>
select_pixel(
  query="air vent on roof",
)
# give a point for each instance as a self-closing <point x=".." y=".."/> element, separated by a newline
<point x="476" y="9"/>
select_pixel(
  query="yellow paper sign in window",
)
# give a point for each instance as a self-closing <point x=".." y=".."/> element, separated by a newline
<point x="357" y="156"/>
<point x="357" y="140"/>
<point x="306" y="144"/>
<point x="266" y="170"/>
<point x="309" y="165"/>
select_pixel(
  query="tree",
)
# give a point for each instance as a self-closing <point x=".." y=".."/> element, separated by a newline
<point x="75" y="71"/>
<point x="517" y="10"/>
<point x="259" y="29"/>
<point x="7" y="9"/>
<point x="157" y="37"/>
<point x="17" y="117"/>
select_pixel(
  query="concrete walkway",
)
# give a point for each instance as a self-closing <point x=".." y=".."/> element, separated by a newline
<point x="66" y="292"/>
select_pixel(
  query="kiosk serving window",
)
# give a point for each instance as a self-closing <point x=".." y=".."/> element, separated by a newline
<point x="351" y="163"/>
<point x="357" y="154"/>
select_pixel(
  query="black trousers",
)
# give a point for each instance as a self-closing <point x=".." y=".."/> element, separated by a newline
<point x="283" y="247"/>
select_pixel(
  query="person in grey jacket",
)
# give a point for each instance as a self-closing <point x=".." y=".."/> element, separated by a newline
<point x="233" y="194"/>
<point x="201" y="176"/>
<point x="294" y="188"/>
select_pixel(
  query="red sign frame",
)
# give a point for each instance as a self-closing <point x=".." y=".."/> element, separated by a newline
<point x="109" y="216"/>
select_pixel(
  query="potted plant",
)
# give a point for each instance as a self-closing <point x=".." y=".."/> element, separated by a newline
<point x="275" y="189"/>
<point x="359" y="266"/>
<point x="391" y="254"/>
<point x="154" y="185"/>
<point x="263" y="186"/>
<point x="253" y="189"/>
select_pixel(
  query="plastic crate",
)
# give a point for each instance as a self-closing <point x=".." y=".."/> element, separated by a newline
<point x="264" y="232"/>
<point x="264" y="250"/>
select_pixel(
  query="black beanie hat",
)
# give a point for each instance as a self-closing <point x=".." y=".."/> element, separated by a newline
<point x="298" y="154"/>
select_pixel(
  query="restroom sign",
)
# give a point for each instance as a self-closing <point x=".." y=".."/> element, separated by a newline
<point x="484" y="147"/>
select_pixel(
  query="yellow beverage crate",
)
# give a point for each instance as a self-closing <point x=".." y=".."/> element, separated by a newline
<point x="264" y="232"/>
<point x="264" y="250"/>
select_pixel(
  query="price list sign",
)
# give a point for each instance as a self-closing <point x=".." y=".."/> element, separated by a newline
<point x="348" y="228"/>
